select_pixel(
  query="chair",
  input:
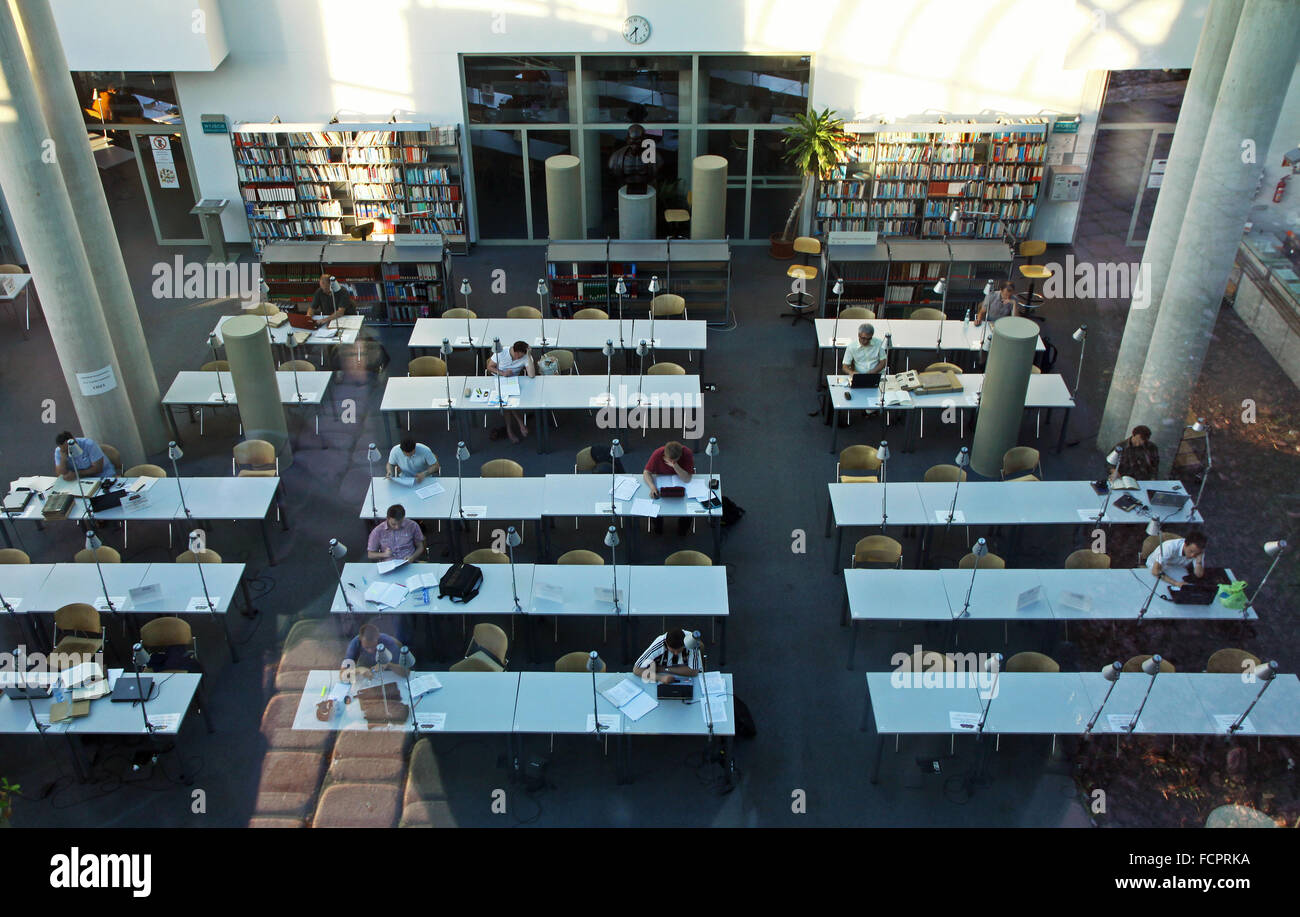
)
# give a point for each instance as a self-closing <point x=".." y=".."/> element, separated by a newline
<point x="584" y="463"/>
<point x="591" y="314"/>
<point x="668" y="305"/>
<point x="460" y="313"/>
<point x="263" y="308"/>
<point x="944" y="474"/>
<point x="943" y="368"/>
<point x="524" y="312"/>
<point x="1149" y="544"/>
<point x="800" y="301"/>
<point x="14" y="556"/>
<point x="501" y="468"/>
<point x="583" y="557"/>
<point x="161" y="633"/>
<point x="81" y="630"/>
<point x="857" y="312"/>
<point x="486" y="556"/>
<point x="989" y="561"/>
<point x="1032" y="272"/>
<point x="688" y="559"/>
<point x="215" y="366"/>
<point x="104" y="553"/>
<point x="564" y="360"/>
<point x="490" y="644"/>
<point x="254" y="458"/>
<point x="145" y="471"/>
<point x="576" y="662"/>
<point x="1035" y="369"/>
<point x="206" y="556"/>
<point x="665" y="369"/>
<point x="1019" y="464"/>
<point x="1087" y="559"/>
<point x="302" y="366"/>
<point x="675" y="215"/>
<point x="1231" y="662"/>
<point x="1135" y="664"/>
<point x="857" y="461"/>
<point x="877" y="551"/>
<point x="928" y="314"/>
<point x="929" y="661"/>
<point x="473" y="664"/>
<point x="111" y="453"/>
<point x="1031" y="662"/>
<point x="427" y="366"/>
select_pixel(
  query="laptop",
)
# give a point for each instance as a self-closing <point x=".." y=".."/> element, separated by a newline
<point x="28" y="692"/>
<point x="128" y="690"/>
<point x="1167" y="498"/>
<point x="677" y="690"/>
<point x="1200" y="591"/>
<point x="865" y="380"/>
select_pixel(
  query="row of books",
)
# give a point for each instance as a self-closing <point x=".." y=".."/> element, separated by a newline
<point x="888" y="189"/>
<point x="326" y="173"/>
<point x="433" y="192"/>
<point x="378" y="192"/>
<point x="844" y="188"/>
<point x="317" y="138"/>
<point x="1017" y="152"/>
<point x="371" y="210"/>
<point x="441" y="209"/>
<point x="419" y="270"/>
<point x="289" y="211"/>
<point x="917" y="270"/>
<point x="411" y="292"/>
<point x="263" y="173"/>
<point x="428" y="175"/>
<point x="1015" y="210"/>
<point x="846" y="207"/>
<point x="313" y="192"/>
<point x="372" y="154"/>
<point x="1010" y="192"/>
<point x="962" y="153"/>
<point x="408" y="314"/>
<point x="252" y="156"/>
<point x="447" y="227"/>
<point x="1016" y="173"/>
<point x="284" y="193"/>
<point x="374" y="173"/>
<point x="295" y="229"/>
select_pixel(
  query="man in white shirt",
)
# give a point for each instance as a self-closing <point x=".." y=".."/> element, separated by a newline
<point x="412" y="459"/>
<point x="518" y="362"/>
<point x="867" y="355"/>
<point x="1178" y="557"/>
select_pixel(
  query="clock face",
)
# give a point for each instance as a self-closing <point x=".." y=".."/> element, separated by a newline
<point x="636" y="29"/>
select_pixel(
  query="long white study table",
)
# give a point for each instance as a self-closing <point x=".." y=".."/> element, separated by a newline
<point x="191" y="389"/>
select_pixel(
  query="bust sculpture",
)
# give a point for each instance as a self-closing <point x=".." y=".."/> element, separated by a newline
<point x="636" y="162"/>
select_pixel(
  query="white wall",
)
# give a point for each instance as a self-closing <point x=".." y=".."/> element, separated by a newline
<point x="136" y="35"/>
<point x="304" y="60"/>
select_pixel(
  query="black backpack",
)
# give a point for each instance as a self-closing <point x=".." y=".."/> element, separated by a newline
<point x="460" y="583"/>
<point x="732" y="512"/>
<point x="745" y="727"/>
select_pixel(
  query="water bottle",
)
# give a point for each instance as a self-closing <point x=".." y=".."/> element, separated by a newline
<point x="965" y="320"/>
<point x="424" y="595"/>
<point x="59" y="696"/>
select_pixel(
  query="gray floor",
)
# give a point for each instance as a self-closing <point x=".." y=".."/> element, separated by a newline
<point x="786" y="650"/>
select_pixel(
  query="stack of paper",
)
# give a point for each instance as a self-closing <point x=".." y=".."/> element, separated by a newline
<point x="625" y="694"/>
<point x="898" y="398"/>
<point x="626" y="487"/>
<point x="390" y="594"/>
<point x="388" y="566"/>
<point x="422" y="581"/>
<point x="430" y="490"/>
<point x="643" y="507"/>
<point x="711" y="683"/>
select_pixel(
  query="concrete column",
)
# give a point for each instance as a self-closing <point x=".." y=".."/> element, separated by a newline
<point x="1002" y="399"/>
<point x="563" y="197"/>
<point x="637" y="213"/>
<point x="1250" y="98"/>
<point x="67" y="128"/>
<point x="1171" y="206"/>
<point x="708" y="197"/>
<point x="248" y="348"/>
<point x="43" y="217"/>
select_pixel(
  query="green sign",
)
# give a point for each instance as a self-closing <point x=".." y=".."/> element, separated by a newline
<point x="214" y="124"/>
<point x="1070" y="126"/>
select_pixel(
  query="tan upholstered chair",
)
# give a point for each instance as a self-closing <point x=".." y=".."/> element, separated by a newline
<point x="877" y="551"/>
<point x="581" y="556"/>
<point x="145" y="471"/>
<point x="254" y="458"/>
<point x="584" y="463"/>
<point x="926" y="313"/>
<point x="460" y="313"/>
<point x="591" y="314"/>
<point x="215" y="366"/>
<point x="486" y="556"/>
<point x="688" y="559"/>
<point x="564" y="360"/>
<point x="668" y="305"/>
<point x="1087" y="559"/>
<point x="855" y="465"/>
<point x="524" y="312"/>
<point x="1231" y="661"/>
<point x="1135" y="664"/>
<point x="161" y="633"/>
<point x="301" y="366"/>
<point x="857" y="313"/>
<point x="77" y="629"/>
<point x="665" y="369"/>
<point x="105" y="554"/>
<point x="943" y="368"/>
<point x="989" y="561"/>
<point x="944" y="474"/>
<point x="1031" y="662"/>
<point x="112" y="455"/>
<point x="206" y="556"/>
<point x="501" y="468"/>
<point x="1149" y="544"/>
<point x="1022" y="463"/>
<point x="575" y="662"/>
<point x="490" y="644"/>
<point x="14" y="556"/>
<point x="427" y="366"/>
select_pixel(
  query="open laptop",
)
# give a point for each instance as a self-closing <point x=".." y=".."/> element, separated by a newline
<point x="128" y="690"/>
<point x="865" y="380"/>
<point x="1168" y="499"/>
<point x="683" y="689"/>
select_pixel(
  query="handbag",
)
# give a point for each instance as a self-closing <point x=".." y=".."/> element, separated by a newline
<point x="110" y="499"/>
<point x="1232" y="595"/>
<point x="460" y="583"/>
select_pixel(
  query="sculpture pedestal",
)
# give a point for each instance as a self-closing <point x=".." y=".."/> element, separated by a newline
<point x="636" y="214"/>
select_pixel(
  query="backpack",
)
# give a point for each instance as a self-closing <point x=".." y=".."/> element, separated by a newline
<point x="745" y="728"/>
<point x="732" y="512"/>
<point x="460" y="583"/>
<point x="1047" y="359"/>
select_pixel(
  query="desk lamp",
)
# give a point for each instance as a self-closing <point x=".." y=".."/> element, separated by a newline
<point x="1111" y="673"/>
<point x="1265" y="674"/>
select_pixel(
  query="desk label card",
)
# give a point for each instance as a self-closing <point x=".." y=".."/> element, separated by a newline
<point x="609" y="722"/>
<point x="430" y="722"/>
<point x="1225" y="720"/>
<point x="1119" y="722"/>
<point x="963" y="722"/>
<point x="199" y="603"/>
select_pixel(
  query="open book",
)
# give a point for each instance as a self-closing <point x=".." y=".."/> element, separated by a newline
<point x="1124" y="482"/>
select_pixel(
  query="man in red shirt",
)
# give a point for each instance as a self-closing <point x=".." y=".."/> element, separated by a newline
<point x="675" y="459"/>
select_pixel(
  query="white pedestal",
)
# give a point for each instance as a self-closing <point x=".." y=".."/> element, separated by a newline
<point x="636" y="214"/>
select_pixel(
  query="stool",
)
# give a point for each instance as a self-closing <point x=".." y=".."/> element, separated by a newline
<point x="676" y="215"/>
<point x="802" y="303"/>
<point x="1031" y="300"/>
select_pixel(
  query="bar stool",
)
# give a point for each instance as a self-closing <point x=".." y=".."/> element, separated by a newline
<point x="802" y="303"/>
<point x="1031" y="301"/>
<point x="675" y="216"/>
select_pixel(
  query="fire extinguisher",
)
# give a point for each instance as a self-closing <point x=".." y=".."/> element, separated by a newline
<point x="1280" y="190"/>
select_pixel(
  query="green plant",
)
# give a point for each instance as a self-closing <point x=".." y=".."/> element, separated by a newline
<point x="7" y="792"/>
<point x="814" y="144"/>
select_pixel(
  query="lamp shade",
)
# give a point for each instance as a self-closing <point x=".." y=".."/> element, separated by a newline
<point x="620" y="287"/>
<point x="461" y="452"/>
<point x="1274" y="548"/>
<point x="512" y="537"/>
<point x="838" y="288"/>
<point x="92" y="542"/>
<point x="882" y="451"/>
<point x="712" y="447"/>
<point x="541" y="286"/>
<point x="1080" y="333"/>
<point x="616" y="449"/>
<point x="593" y="661"/>
<point x="611" y="537"/>
<point x="963" y="458"/>
<point x="174" y="452"/>
<point x="608" y="349"/>
<point x="980" y="548"/>
<point x="372" y="453"/>
<point x="465" y="288"/>
<point x="445" y="349"/>
<point x="1152" y="665"/>
<point x="653" y="286"/>
<point x="1111" y="672"/>
<point x="338" y="550"/>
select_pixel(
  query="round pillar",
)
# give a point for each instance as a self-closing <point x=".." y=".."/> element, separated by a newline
<point x="257" y="391"/>
<point x="1002" y="398"/>
<point x="564" y="197"/>
<point x="708" y="197"/>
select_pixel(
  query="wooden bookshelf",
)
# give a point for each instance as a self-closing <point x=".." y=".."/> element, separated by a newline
<point x="319" y="181"/>
<point x="904" y="180"/>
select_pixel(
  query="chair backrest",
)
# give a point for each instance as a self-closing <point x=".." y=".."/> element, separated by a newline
<point x="928" y="314"/>
<point x="215" y="366"/>
<point x="79" y="617"/>
<point x="859" y="458"/>
<point x="105" y="554"/>
<point x="1149" y="543"/>
<point x="473" y="664"/>
<point x="112" y="454"/>
<point x="524" y="312"/>
<point x="254" y="454"/>
<point x="591" y="314"/>
<point x="1018" y="459"/>
<point x="302" y="366"/>
<point x="563" y="359"/>
<point x="263" y="308"/>
<point x="667" y="304"/>
<point x="460" y="313"/>
<point x="486" y="556"/>
<point x="493" y="639"/>
<point x="989" y="561"/>
<point x="1031" y="248"/>
<point x="581" y="556"/>
<point x="575" y="662"/>
<point x="501" y="468"/>
<point x="11" y="269"/>
<point x="1035" y="369"/>
<point x="665" y="369"/>
<point x="857" y="312"/>
<point x="427" y="366"/>
<point x="1230" y="661"/>
<point x="1031" y="662"/>
<point x="1087" y="559"/>
<point x="584" y="463"/>
<point x="206" y="556"/>
<point x="877" y="549"/>
<point x="145" y="471"/>
<point x="1135" y="664"/>
<point x="164" y="632"/>
<point x="14" y="556"/>
<point x="943" y="368"/>
<point x="941" y="474"/>
<point x="807" y="245"/>
<point x="688" y="559"/>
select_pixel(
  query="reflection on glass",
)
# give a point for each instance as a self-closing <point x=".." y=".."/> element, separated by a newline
<point x="499" y="184"/>
<point x="517" y="90"/>
<point x="769" y="154"/>
<point x="116" y="97"/>
<point x="541" y="146"/>
<point x="666" y="148"/>
<point x="633" y="90"/>
<point x="769" y="208"/>
<point x="731" y="145"/>
<point x="745" y="89"/>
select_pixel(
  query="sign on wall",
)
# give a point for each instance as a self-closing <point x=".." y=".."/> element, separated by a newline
<point x="163" y="162"/>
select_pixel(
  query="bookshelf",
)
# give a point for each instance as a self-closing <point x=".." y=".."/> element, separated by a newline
<point x="904" y="180"/>
<point x="415" y="275"/>
<point x="319" y="181"/>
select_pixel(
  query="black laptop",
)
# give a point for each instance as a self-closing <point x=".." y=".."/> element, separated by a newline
<point x="1166" y="499"/>
<point x="127" y="689"/>
<point x="28" y="692"/>
<point x="865" y="380"/>
<point x="677" y="690"/>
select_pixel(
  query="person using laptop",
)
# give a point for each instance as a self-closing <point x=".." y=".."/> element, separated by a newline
<point x="1138" y="456"/>
<point x="867" y="355"/>
<point x="92" y="463"/>
<point x="412" y="459"/>
<point x="1179" y="557"/>
<point x="396" y="538"/>
<point x="667" y="659"/>
<point x="672" y="458"/>
<point x="359" y="658"/>
<point x="327" y="306"/>
<point x="519" y="362"/>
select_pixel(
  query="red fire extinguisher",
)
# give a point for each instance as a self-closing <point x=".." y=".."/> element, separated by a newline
<point x="1280" y="190"/>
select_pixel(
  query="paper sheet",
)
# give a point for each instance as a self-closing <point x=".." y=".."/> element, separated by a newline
<point x="1077" y="601"/>
<point x="626" y="487"/>
<point x="403" y="480"/>
<point x="604" y="508"/>
<point x="430" y="722"/>
<point x="1119" y="722"/>
<point x="390" y="594"/>
<point x="473" y="512"/>
<point x="422" y="581"/>
<point x="1227" y="719"/>
<point x="220" y="398"/>
<point x="165" y="722"/>
<point x="35" y="482"/>
<point x="101" y="603"/>
<point x="430" y="490"/>
<point x="644" y="507"/>
<point x="606" y="594"/>
<point x="423" y="684"/>
<point x="619" y="691"/>
<point x="639" y="706"/>
<point x="698" y="488"/>
<point x="601" y="400"/>
<point x="610" y="722"/>
<point x="548" y="592"/>
<point x="1029" y="598"/>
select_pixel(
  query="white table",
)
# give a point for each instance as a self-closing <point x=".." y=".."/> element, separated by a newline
<point x="568" y="334"/>
<point x="473" y="702"/>
<point x="320" y="338"/>
<point x="10" y="286"/>
<point x="906" y="334"/>
<point x="195" y="389"/>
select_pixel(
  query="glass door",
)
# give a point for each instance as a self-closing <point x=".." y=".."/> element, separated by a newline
<point x="169" y="186"/>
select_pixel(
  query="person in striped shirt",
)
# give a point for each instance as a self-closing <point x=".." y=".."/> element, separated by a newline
<point x="667" y="658"/>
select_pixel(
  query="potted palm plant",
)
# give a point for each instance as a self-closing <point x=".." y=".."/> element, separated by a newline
<point x="814" y="144"/>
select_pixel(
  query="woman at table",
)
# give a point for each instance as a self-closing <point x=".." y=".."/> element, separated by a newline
<point x="519" y="363"/>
